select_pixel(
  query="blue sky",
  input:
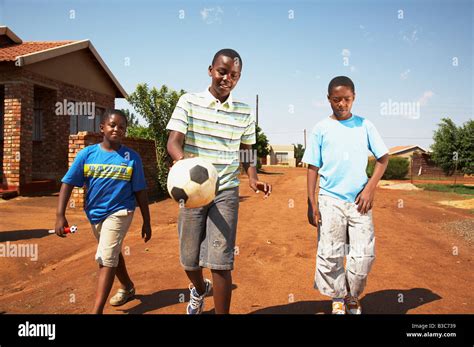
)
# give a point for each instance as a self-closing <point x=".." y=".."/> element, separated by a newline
<point x="400" y="54"/>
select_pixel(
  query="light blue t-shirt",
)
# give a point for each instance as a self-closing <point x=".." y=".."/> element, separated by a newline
<point x="340" y="150"/>
<point x="111" y="179"/>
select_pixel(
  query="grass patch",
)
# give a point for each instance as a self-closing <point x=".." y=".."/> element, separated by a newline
<point x="448" y="188"/>
<point x="436" y="178"/>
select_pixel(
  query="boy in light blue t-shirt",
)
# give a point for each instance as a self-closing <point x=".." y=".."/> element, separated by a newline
<point x="338" y="151"/>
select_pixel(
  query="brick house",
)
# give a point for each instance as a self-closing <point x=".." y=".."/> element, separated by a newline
<point x="48" y="91"/>
<point x="406" y="151"/>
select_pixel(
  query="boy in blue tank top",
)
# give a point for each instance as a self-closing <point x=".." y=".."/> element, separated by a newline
<point x="114" y="180"/>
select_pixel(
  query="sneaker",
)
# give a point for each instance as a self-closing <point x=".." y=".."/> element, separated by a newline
<point x="338" y="307"/>
<point x="353" y="305"/>
<point x="196" y="301"/>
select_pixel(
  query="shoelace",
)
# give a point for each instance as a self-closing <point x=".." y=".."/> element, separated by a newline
<point x="196" y="300"/>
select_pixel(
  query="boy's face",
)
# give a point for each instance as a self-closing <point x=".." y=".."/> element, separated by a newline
<point x="341" y="99"/>
<point x="225" y="74"/>
<point x="114" y="128"/>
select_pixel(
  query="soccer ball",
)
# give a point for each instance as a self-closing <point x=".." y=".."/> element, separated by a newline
<point x="193" y="182"/>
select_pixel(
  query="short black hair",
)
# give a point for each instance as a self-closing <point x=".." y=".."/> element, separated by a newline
<point x="228" y="52"/>
<point x="110" y="112"/>
<point x="341" y="81"/>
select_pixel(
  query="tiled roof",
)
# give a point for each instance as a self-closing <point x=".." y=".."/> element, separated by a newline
<point x="10" y="52"/>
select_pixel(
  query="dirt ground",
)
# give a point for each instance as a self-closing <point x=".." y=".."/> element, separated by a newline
<point x="421" y="265"/>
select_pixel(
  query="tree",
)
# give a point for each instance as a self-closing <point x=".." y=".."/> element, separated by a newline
<point x="156" y="107"/>
<point x="262" y="143"/>
<point x="453" y="147"/>
<point x="466" y="148"/>
<point x="299" y="152"/>
<point x="134" y="129"/>
<point x="132" y="120"/>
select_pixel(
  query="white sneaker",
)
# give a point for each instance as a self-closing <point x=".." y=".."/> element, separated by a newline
<point x="353" y="305"/>
<point x="196" y="301"/>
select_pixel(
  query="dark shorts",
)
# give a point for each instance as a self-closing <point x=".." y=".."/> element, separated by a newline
<point x="207" y="234"/>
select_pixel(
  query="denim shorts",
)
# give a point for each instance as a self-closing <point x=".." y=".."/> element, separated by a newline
<point x="207" y="234"/>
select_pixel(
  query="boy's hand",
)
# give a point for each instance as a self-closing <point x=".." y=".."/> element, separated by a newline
<point x="313" y="215"/>
<point x="146" y="232"/>
<point x="258" y="186"/>
<point x="61" y="223"/>
<point x="365" y="199"/>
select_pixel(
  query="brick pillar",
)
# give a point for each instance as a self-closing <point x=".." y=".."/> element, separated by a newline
<point x="17" y="133"/>
<point x="77" y="143"/>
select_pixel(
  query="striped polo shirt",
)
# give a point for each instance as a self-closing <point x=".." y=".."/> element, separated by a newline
<point x="214" y="131"/>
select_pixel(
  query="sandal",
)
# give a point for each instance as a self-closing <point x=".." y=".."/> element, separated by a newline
<point x="122" y="297"/>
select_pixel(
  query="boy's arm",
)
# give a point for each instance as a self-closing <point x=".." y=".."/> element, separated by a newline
<point x="312" y="178"/>
<point x="365" y="198"/>
<point x="61" y="221"/>
<point x="175" y="145"/>
<point x="251" y="172"/>
<point x="142" y="200"/>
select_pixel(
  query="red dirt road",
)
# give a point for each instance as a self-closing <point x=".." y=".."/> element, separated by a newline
<point x="420" y="266"/>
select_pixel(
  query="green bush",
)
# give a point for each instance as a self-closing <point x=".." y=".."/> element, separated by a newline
<point x="397" y="168"/>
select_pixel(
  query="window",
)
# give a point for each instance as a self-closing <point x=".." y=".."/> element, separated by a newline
<point x="281" y="157"/>
<point x="37" y="120"/>
<point x="84" y="123"/>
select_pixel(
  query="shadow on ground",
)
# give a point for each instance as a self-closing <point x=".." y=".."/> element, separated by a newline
<point x="390" y="301"/>
<point x="16" y="235"/>
<point x="163" y="298"/>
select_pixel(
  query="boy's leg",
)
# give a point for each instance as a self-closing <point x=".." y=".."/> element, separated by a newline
<point x="217" y="250"/>
<point x="361" y="250"/>
<point x="110" y="234"/>
<point x="222" y="280"/>
<point x="197" y="279"/>
<point x="191" y="230"/>
<point x="122" y="274"/>
<point x="104" y="285"/>
<point x="330" y="278"/>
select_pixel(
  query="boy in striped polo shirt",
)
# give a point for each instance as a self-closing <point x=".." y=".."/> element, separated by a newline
<point x="214" y="126"/>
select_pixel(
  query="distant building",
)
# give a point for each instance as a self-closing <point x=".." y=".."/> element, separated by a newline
<point x="280" y="155"/>
<point x="406" y="151"/>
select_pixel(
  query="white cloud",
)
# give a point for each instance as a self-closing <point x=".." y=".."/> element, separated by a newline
<point x="411" y="36"/>
<point x="353" y="68"/>
<point x="404" y="74"/>
<point x="346" y="52"/>
<point x="423" y="100"/>
<point x="212" y="15"/>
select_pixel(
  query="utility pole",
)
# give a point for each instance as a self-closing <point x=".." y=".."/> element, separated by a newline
<point x="256" y="112"/>
<point x="305" y="138"/>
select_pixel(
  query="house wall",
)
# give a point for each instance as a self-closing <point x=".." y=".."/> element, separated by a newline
<point x="272" y="159"/>
<point x="428" y="167"/>
<point x="17" y="134"/>
<point x="2" y="89"/>
<point x="146" y="149"/>
<point x="77" y="68"/>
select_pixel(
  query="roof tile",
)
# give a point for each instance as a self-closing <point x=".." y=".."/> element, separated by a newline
<point x="12" y="51"/>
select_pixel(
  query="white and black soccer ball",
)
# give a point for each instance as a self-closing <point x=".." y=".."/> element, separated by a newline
<point x="193" y="182"/>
